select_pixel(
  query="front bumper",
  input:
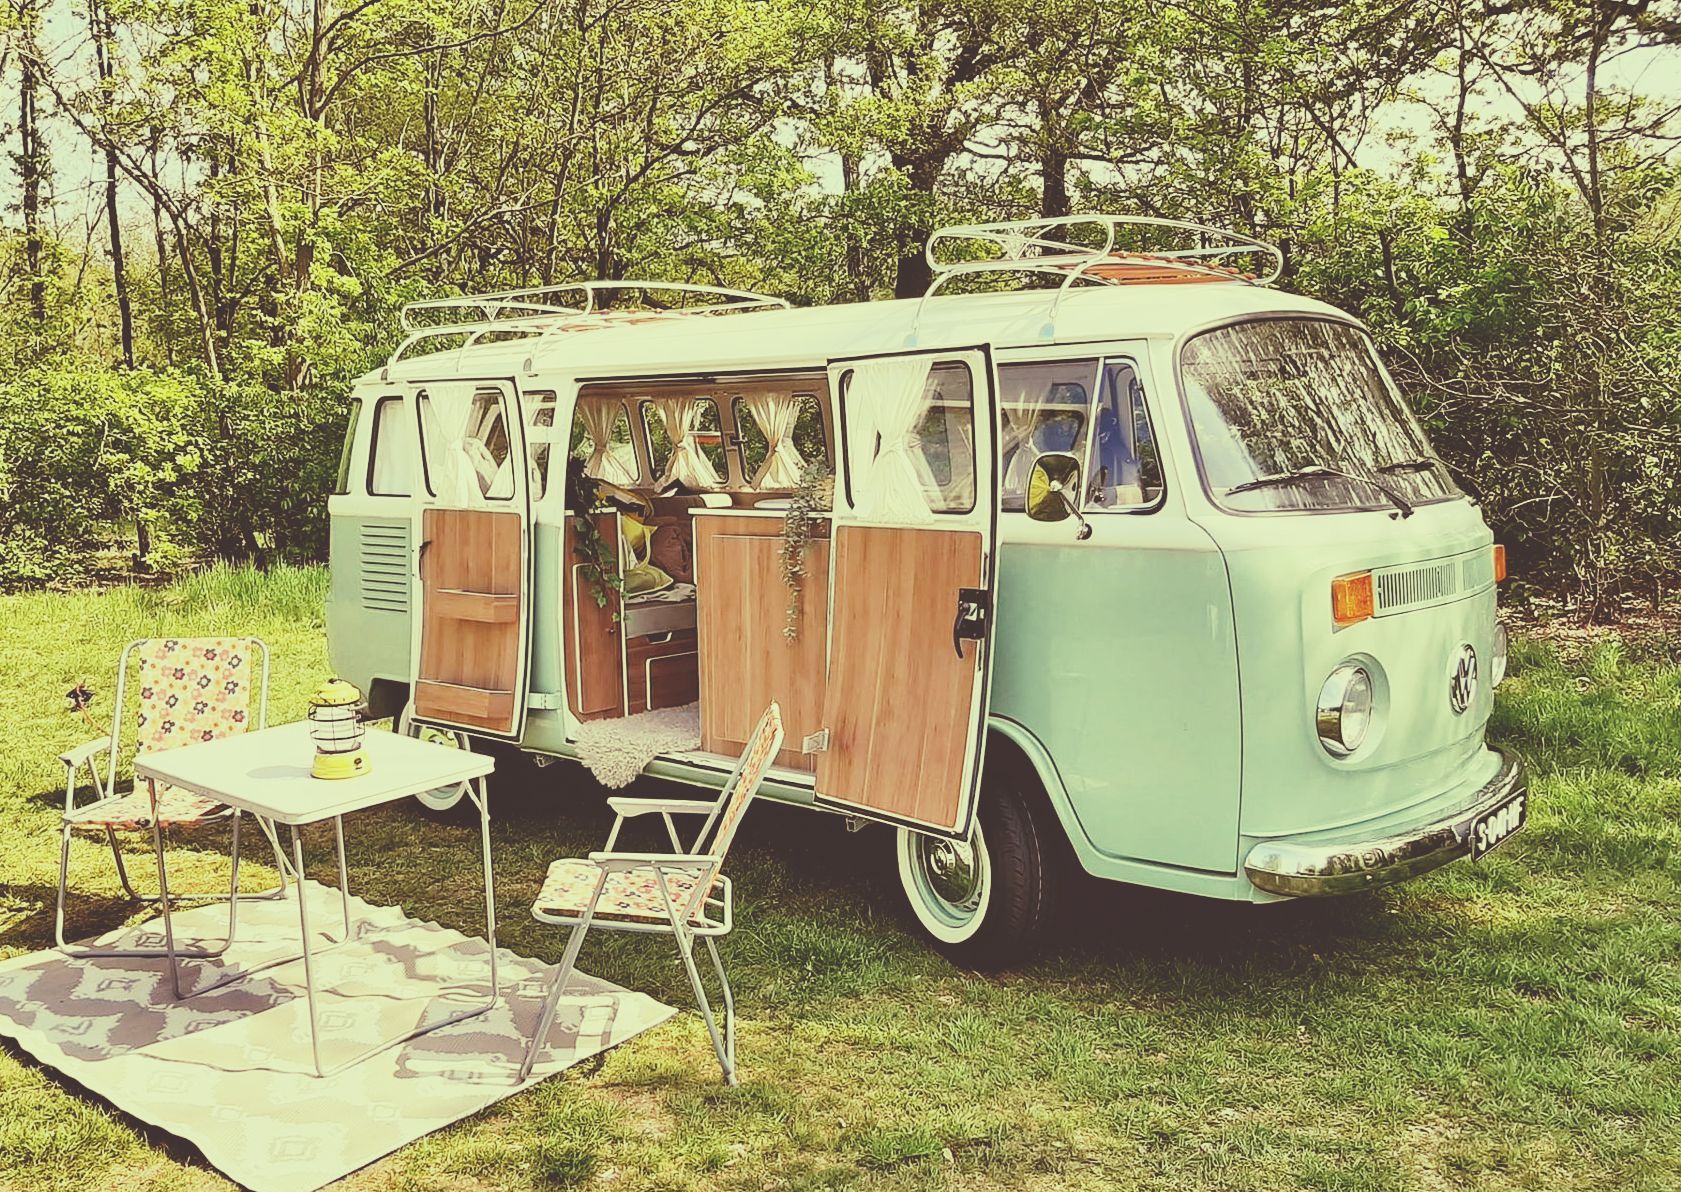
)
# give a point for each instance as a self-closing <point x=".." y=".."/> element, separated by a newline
<point x="1303" y="868"/>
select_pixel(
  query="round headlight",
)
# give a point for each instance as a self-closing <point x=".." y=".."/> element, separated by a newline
<point x="1497" y="664"/>
<point x="1344" y="715"/>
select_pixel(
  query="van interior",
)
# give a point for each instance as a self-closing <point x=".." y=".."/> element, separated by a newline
<point x="701" y="474"/>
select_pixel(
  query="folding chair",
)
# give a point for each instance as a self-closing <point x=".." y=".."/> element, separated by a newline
<point x="191" y="689"/>
<point x="682" y="893"/>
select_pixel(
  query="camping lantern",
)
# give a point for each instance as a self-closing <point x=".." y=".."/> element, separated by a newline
<point x="337" y="731"/>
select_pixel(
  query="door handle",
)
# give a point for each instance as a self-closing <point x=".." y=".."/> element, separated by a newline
<point x="974" y="612"/>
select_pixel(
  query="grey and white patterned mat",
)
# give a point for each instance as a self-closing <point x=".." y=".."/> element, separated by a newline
<point x="229" y="1071"/>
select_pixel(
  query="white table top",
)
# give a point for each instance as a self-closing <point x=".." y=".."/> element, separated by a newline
<point x="267" y="772"/>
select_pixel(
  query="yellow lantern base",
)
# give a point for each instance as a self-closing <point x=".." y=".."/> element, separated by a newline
<point x="341" y="765"/>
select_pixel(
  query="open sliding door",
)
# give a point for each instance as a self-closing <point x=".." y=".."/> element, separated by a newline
<point x="913" y="577"/>
<point x="474" y="560"/>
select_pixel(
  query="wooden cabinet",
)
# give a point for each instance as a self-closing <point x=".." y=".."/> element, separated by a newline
<point x="745" y="658"/>
<point x="594" y="644"/>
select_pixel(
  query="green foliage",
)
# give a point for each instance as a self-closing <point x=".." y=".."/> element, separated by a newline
<point x="1494" y="188"/>
<point x="162" y="462"/>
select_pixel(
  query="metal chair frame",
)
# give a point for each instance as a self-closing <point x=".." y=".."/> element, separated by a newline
<point x="110" y="745"/>
<point x="685" y="921"/>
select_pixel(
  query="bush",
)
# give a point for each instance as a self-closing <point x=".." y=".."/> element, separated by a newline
<point x="161" y="465"/>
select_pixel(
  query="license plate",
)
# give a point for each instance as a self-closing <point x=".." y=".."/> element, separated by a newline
<point x="1498" y="824"/>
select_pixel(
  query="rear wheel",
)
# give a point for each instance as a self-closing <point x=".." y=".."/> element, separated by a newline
<point x="985" y="901"/>
<point x="446" y="804"/>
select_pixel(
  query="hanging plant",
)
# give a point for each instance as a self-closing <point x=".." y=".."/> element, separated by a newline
<point x="814" y="494"/>
<point x="598" y="557"/>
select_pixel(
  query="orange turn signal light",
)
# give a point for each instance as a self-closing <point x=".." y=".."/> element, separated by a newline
<point x="1499" y="563"/>
<point x="1351" y="598"/>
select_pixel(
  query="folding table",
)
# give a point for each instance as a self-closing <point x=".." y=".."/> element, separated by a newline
<point x="267" y="773"/>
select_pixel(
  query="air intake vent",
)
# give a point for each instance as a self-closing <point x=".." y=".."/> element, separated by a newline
<point x="1412" y="586"/>
<point x="385" y="567"/>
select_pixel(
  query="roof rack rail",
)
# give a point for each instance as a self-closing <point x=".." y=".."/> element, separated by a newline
<point x="571" y="306"/>
<point x="1049" y="246"/>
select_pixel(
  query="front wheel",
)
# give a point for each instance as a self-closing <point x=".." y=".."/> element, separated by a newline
<point x="985" y="902"/>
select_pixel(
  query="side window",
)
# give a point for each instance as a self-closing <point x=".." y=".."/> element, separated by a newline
<point x="1126" y="469"/>
<point x="895" y="447"/>
<point x="391" y="455"/>
<point x="601" y="440"/>
<point x="1043" y="407"/>
<point x="780" y="433"/>
<point x="343" y="483"/>
<point x="466" y="447"/>
<point x="943" y="446"/>
<point x="684" y="441"/>
<point x="540" y="436"/>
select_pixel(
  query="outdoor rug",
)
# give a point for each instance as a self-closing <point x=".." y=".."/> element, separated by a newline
<point x="230" y="1070"/>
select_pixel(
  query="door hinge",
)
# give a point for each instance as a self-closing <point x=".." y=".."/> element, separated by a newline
<point x="542" y="701"/>
<point x="974" y="611"/>
<point x="817" y="742"/>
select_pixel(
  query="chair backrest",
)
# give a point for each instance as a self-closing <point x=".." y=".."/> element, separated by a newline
<point x="191" y="689"/>
<point x="719" y="830"/>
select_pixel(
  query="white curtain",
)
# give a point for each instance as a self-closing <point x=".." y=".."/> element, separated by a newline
<point x="394" y="449"/>
<point x="461" y="469"/>
<point x="776" y="414"/>
<point x="687" y="464"/>
<point x="599" y="415"/>
<point x="885" y="402"/>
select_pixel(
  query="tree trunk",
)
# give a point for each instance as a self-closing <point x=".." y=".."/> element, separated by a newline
<point x="30" y="159"/>
<point x="99" y="26"/>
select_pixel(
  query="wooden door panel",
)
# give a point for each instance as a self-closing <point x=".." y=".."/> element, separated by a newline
<point x="471" y="575"/>
<point x="899" y="699"/>
<point x="594" y="656"/>
<point x="746" y="661"/>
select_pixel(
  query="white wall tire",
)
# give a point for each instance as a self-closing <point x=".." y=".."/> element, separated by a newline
<point x="441" y="801"/>
<point x="986" y="903"/>
<point x="947" y="882"/>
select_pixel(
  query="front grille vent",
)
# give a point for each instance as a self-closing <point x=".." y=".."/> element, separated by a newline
<point x="1413" y="586"/>
<point x="1476" y="570"/>
<point x="384" y="578"/>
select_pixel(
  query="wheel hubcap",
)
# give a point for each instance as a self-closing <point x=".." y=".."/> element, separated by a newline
<point x="953" y="876"/>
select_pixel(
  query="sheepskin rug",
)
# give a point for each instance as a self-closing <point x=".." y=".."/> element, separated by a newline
<point x="616" y="750"/>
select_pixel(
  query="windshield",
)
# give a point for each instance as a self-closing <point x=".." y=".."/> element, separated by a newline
<point x="1295" y="414"/>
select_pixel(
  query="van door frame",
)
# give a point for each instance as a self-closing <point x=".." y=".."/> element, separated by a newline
<point x="425" y="498"/>
<point x="980" y="360"/>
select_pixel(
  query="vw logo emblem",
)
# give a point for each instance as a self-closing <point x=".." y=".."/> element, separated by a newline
<point x="1462" y="681"/>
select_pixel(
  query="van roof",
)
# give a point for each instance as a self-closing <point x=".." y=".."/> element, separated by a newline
<point x="807" y="336"/>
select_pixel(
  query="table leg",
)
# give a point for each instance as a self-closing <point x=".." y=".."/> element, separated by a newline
<point x="303" y="926"/>
<point x="163" y="892"/>
<point x="344" y="875"/>
<point x="482" y="798"/>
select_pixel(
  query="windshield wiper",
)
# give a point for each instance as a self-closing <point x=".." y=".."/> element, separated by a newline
<point x="1309" y="471"/>
<point x="1422" y="463"/>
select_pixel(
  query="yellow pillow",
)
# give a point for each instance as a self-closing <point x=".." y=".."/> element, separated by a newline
<point x="636" y="537"/>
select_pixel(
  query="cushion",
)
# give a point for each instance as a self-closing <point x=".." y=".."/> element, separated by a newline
<point x="133" y="811"/>
<point x="672" y="552"/>
<point x="639" y="581"/>
<point x="628" y="894"/>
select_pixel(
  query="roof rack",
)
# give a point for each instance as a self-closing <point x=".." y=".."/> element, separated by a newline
<point x="1053" y="247"/>
<point x="571" y="306"/>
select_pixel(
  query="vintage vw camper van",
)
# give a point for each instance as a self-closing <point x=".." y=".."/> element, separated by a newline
<point x="1149" y="570"/>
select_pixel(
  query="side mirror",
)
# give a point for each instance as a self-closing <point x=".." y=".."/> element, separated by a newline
<point x="1053" y="490"/>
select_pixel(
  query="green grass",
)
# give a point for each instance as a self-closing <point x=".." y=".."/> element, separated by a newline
<point x="1516" y="1024"/>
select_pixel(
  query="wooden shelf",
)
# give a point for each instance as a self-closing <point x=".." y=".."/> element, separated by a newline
<point x="458" y="604"/>
<point x="463" y="705"/>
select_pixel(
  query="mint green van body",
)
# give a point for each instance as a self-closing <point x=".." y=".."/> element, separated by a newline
<point x="1176" y="698"/>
